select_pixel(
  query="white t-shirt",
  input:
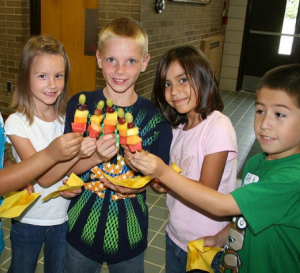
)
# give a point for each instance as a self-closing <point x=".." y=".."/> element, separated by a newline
<point x="188" y="149"/>
<point x="41" y="134"/>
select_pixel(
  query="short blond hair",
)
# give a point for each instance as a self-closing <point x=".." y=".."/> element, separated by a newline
<point x="124" y="28"/>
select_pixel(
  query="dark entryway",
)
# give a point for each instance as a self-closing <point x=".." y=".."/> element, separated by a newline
<point x="269" y="25"/>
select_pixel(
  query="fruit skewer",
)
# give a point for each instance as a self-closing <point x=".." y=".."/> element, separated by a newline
<point x="133" y="140"/>
<point x="80" y="116"/>
<point x="111" y="118"/>
<point x="94" y="127"/>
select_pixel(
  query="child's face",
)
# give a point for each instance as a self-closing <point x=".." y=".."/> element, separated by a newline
<point x="178" y="91"/>
<point x="47" y="78"/>
<point x="277" y="123"/>
<point x="121" y="60"/>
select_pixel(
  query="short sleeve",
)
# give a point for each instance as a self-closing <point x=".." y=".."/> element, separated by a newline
<point x="221" y="136"/>
<point x="273" y="201"/>
<point x="15" y="125"/>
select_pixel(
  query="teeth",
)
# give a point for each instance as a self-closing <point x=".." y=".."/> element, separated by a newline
<point x="267" y="137"/>
<point x="117" y="80"/>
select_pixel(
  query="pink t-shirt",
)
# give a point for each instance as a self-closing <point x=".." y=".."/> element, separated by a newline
<point x="188" y="149"/>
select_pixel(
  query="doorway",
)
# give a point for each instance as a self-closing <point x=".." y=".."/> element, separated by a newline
<point x="74" y="23"/>
<point x="271" y="38"/>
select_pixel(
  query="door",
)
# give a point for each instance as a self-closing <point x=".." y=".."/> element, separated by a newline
<point x="271" y="38"/>
<point x="65" y="20"/>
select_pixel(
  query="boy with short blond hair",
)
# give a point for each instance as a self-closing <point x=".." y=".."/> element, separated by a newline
<point x="105" y="225"/>
<point x="265" y="235"/>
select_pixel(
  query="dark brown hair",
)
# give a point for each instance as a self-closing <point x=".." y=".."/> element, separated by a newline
<point x="284" y="78"/>
<point x="22" y="97"/>
<point x="201" y="79"/>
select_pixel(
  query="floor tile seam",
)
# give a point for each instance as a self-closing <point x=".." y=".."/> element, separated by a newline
<point x="6" y="261"/>
<point x="157" y="247"/>
<point x="159" y="197"/>
<point x="154" y="236"/>
<point x="246" y="135"/>
<point x="241" y="118"/>
<point x="148" y="262"/>
<point x="252" y="103"/>
<point x="239" y="106"/>
<point x="229" y="103"/>
<point x="157" y="231"/>
<point x="165" y="208"/>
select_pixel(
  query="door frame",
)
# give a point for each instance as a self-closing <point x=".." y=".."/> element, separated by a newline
<point x="243" y="50"/>
<point x="35" y="17"/>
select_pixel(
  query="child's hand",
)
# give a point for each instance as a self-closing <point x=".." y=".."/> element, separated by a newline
<point x="106" y="147"/>
<point x="29" y="188"/>
<point x="211" y="241"/>
<point x="88" y="147"/>
<point x="65" y="147"/>
<point x="70" y="194"/>
<point x="219" y="240"/>
<point x="128" y="156"/>
<point x="148" y="164"/>
<point x="158" y="187"/>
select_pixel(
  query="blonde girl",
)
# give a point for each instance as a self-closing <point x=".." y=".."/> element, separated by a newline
<point x="40" y="101"/>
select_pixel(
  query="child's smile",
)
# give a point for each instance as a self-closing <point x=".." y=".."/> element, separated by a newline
<point x="121" y="61"/>
<point x="178" y="91"/>
<point x="276" y="124"/>
<point x="47" y="78"/>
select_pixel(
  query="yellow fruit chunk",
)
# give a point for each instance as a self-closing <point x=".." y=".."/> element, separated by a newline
<point x="80" y="119"/>
<point x="133" y="131"/>
<point x="112" y="116"/>
<point x="110" y="122"/>
<point x="123" y="133"/>
<point x="132" y="140"/>
<point x="96" y="127"/>
<point x="81" y="114"/>
<point x="96" y="119"/>
<point x="122" y="127"/>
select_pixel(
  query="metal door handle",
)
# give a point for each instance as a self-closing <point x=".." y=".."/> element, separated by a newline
<point x="273" y="33"/>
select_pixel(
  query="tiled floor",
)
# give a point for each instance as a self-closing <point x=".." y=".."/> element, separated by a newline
<point x="239" y="107"/>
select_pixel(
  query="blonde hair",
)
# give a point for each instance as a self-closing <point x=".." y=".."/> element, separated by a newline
<point x="124" y="28"/>
<point x="22" y="98"/>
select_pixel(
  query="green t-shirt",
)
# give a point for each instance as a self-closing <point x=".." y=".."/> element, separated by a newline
<point x="269" y="239"/>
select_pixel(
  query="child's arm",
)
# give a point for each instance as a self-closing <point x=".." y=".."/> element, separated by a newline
<point x="15" y="176"/>
<point x="25" y="149"/>
<point x="196" y="193"/>
<point x="217" y="162"/>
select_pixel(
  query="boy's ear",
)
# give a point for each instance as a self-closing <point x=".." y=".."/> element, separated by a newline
<point x="98" y="56"/>
<point x="145" y="62"/>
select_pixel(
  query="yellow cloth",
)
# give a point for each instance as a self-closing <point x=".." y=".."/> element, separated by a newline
<point x="73" y="183"/>
<point x="199" y="256"/>
<point x="16" y="202"/>
<point x="136" y="182"/>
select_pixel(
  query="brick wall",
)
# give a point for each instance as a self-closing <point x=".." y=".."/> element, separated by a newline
<point x="178" y="24"/>
<point x="14" y="31"/>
